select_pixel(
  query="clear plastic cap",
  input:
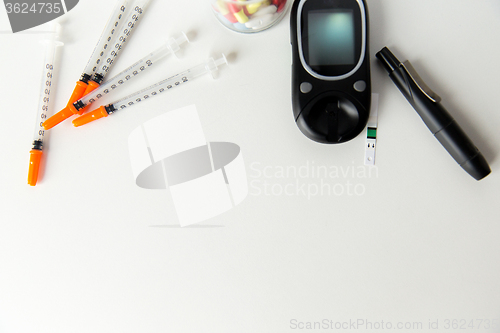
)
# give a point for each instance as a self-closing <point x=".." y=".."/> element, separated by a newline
<point x="212" y="65"/>
<point x="174" y="44"/>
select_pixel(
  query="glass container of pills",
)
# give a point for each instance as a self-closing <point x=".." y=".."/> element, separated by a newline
<point x="250" y="16"/>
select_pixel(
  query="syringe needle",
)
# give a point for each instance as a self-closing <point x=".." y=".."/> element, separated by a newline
<point x="107" y="37"/>
<point x="209" y="66"/>
<point x="43" y="106"/>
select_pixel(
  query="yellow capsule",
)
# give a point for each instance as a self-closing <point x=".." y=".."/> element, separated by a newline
<point x="241" y="17"/>
<point x="253" y="7"/>
<point x="222" y="7"/>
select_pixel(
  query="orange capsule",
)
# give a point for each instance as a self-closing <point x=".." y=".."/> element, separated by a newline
<point x="238" y="12"/>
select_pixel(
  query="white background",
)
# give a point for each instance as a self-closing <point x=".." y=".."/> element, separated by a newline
<point x="86" y="250"/>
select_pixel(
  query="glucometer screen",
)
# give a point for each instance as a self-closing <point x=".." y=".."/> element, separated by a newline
<point x="331" y="35"/>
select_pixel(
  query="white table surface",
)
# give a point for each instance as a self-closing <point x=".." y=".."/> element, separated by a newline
<point x="86" y="250"/>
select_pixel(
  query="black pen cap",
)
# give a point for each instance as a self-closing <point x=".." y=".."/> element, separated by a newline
<point x="477" y="167"/>
<point x="463" y="150"/>
<point x="388" y="59"/>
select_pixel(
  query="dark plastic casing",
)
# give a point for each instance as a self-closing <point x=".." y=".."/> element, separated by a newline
<point x="337" y="106"/>
<point x="434" y="115"/>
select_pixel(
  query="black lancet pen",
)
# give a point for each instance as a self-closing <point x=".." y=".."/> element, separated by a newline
<point x="438" y="120"/>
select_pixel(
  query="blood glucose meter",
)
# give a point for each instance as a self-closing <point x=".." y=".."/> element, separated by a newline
<point x="331" y="88"/>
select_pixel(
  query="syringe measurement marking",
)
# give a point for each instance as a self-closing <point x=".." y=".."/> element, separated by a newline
<point x="46" y="98"/>
<point x="120" y="82"/>
<point x="122" y="39"/>
<point x="154" y="93"/>
<point x="122" y="8"/>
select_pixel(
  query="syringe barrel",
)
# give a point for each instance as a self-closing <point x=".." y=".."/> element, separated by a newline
<point x="107" y="35"/>
<point x="45" y="91"/>
<point x="124" y="32"/>
<point x="171" y="46"/>
<point x="209" y="66"/>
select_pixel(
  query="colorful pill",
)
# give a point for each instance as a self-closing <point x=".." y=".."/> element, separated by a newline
<point x="243" y="15"/>
<point x="280" y="4"/>
<point x="255" y="6"/>
<point x="224" y="20"/>
<point x="266" y="10"/>
<point x="244" y="7"/>
<point x="252" y="8"/>
<point x="238" y="12"/>
<point x="221" y="7"/>
<point x="231" y="18"/>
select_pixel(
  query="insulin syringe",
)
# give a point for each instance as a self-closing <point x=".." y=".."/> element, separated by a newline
<point x="119" y="34"/>
<point x="43" y="105"/>
<point x="170" y="47"/>
<point x="209" y="66"/>
<point x="110" y="56"/>
<point x="102" y="44"/>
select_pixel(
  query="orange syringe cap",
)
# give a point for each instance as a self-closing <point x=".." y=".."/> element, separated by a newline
<point x="78" y="92"/>
<point x="69" y="110"/>
<point x="91" y="86"/>
<point x="35" y="157"/>
<point x="91" y="116"/>
<point x="58" y="117"/>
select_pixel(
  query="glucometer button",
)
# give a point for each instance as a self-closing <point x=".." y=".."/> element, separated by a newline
<point x="305" y="87"/>
<point x="360" y="86"/>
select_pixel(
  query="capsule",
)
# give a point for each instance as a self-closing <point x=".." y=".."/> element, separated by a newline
<point x="247" y="15"/>
<point x="238" y="12"/>
<point x="221" y="7"/>
<point x="253" y="7"/>
<point x="280" y="4"/>
<point x="266" y="10"/>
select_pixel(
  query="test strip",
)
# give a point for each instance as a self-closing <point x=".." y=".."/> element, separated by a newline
<point x="371" y="132"/>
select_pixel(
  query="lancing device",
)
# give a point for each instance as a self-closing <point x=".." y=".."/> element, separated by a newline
<point x="438" y="120"/>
